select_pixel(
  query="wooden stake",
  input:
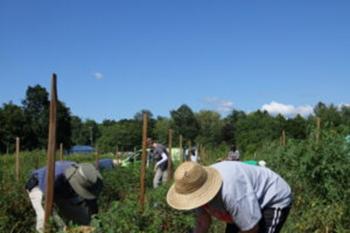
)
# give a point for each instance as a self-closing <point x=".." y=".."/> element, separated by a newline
<point x="61" y="152"/>
<point x="318" y="129"/>
<point x="283" y="138"/>
<point x="181" y="149"/>
<point x="51" y="149"/>
<point x="17" y="158"/>
<point x="97" y="157"/>
<point x="143" y="162"/>
<point x="117" y="157"/>
<point x="170" y="145"/>
<point x="189" y="150"/>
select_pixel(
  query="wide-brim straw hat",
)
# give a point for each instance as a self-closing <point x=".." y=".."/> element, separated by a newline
<point x="85" y="180"/>
<point x="194" y="186"/>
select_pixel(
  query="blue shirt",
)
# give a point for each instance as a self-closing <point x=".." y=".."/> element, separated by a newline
<point x="104" y="164"/>
<point x="60" y="179"/>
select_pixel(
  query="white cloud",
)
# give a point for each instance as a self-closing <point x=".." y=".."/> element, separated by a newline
<point x="275" y="108"/>
<point x="98" y="75"/>
<point x="222" y="106"/>
<point x="343" y="105"/>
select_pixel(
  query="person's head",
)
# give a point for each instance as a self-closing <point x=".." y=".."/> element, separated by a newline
<point x="194" y="186"/>
<point x="85" y="180"/>
<point x="150" y="142"/>
<point x="233" y="147"/>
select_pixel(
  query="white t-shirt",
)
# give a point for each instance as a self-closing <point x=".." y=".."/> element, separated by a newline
<point x="245" y="191"/>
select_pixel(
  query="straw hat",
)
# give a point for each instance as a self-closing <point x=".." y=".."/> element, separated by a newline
<point x="194" y="186"/>
<point x="85" y="180"/>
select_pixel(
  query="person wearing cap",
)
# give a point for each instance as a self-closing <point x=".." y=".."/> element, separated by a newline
<point x="76" y="188"/>
<point x="160" y="155"/>
<point x="250" y="199"/>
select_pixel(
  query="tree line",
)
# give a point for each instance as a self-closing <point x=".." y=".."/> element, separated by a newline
<point x="29" y="121"/>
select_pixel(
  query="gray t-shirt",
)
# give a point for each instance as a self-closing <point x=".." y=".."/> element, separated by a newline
<point x="245" y="191"/>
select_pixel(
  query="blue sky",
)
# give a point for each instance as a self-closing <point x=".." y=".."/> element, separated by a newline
<point x="115" y="58"/>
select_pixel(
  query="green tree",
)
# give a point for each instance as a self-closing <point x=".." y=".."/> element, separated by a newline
<point x="64" y="128"/>
<point x="229" y="126"/>
<point x="36" y="111"/>
<point x="330" y="116"/>
<point x="254" y="129"/>
<point x="12" y="125"/>
<point x="210" y="128"/>
<point x="125" y="133"/>
<point x="185" y="122"/>
<point x="161" y="129"/>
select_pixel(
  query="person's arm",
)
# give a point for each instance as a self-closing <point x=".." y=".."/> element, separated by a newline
<point x="164" y="158"/>
<point x="203" y="222"/>
<point x="253" y="230"/>
<point x="36" y="196"/>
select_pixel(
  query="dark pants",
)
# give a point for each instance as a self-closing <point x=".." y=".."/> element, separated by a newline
<point x="271" y="222"/>
<point x="77" y="211"/>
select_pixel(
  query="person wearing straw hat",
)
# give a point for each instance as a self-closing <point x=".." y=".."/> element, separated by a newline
<point x="160" y="155"/>
<point x="248" y="198"/>
<point x="76" y="188"/>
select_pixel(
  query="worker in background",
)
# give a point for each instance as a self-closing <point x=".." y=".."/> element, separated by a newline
<point x="160" y="156"/>
<point x="233" y="154"/>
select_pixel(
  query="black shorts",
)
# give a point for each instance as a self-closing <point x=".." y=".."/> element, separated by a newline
<point x="271" y="222"/>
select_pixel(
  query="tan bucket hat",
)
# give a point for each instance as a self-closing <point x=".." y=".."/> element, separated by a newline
<point x="85" y="180"/>
<point x="194" y="186"/>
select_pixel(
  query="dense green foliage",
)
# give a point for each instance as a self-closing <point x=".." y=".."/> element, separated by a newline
<point x="317" y="173"/>
<point x="249" y="131"/>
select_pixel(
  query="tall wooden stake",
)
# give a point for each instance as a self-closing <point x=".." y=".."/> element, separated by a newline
<point x="170" y="145"/>
<point x="51" y="149"/>
<point x="283" y="138"/>
<point x="143" y="162"/>
<point x="189" y="150"/>
<point x="61" y="152"/>
<point x="97" y="157"/>
<point x="318" y="129"/>
<point x="181" y="149"/>
<point x="17" y="158"/>
<point x="117" y="157"/>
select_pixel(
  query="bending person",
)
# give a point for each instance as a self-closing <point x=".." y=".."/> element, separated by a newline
<point x="76" y="189"/>
<point x="248" y="198"/>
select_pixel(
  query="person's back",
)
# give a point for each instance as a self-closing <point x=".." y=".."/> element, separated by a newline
<point x="241" y="180"/>
<point x="76" y="187"/>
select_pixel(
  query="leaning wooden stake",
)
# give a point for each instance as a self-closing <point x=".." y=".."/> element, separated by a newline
<point x="143" y="162"/>
<point x="181" y="149"/>
<point x="17" y="158"/>
<point x="61" y="152"/>
<point x="170" y="145"/>
<point x="51" y="149"/>
<point x="318" y="129"/>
